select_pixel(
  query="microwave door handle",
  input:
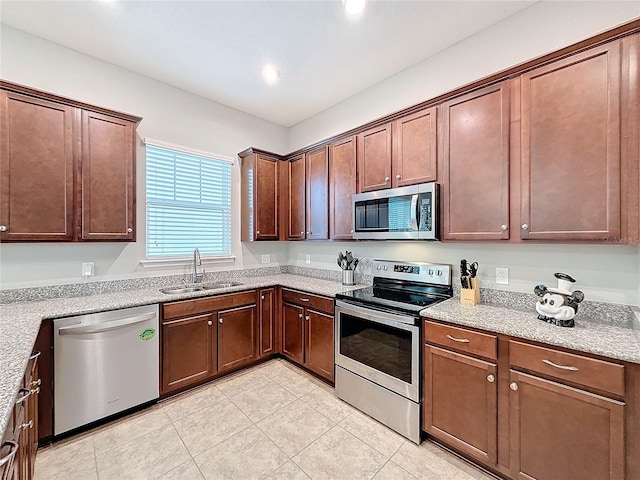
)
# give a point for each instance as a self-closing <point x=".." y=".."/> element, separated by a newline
<point x="414" y="212"/>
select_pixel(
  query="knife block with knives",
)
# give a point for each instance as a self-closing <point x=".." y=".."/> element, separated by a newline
<point x="469" y="293"/>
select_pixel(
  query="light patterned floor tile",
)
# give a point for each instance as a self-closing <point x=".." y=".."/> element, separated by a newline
<point x="328" y="404"/>
<point x="187" y="471"/>
<point x="144" y="458"/>
<point x="64" y="457"/>
<point x="260" y="401"/>
<point x="274" y="368"/>
<point x="84" y="471"/>
<point x="241" y="382"/>
<point x="192" y="402"/>
<point x="246" y="455"/>
<point x="426" y="463"/>
<point x="338" y="454"/>
<point x="206" y="428"/>
<point x="297" y="383"/>
<point x="391" y="471"/>
<point x="112" y="436"/>
<point x="372" y="432"/>
<point x="294" y="427"/>
<point x="288" y="471"/>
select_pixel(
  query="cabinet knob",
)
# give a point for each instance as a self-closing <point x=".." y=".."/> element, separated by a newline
<point x="261" y="297"/>
<point x="36" y="383"/>
<point x="351" y="231"/>
<point x="398" y="177"/>
<point x="503" y="228"/>
<point x="220" y="320"/>
<point x="257" y="232"/>
<point x="3" y="228"/>
<point x="29" y="424"/>
<point x="307" y="318"/>
<point x="129" y="230"/>
<point x="525" y="227"/>
<point x="301" y="233"/>
<point x="513" y="386"/>
<point x="209" y="323"/>
<point x="386" y="179"/>
<point x="491" y="378"/>
<point x="299" y="315"/>
<point x="308" y="233"/>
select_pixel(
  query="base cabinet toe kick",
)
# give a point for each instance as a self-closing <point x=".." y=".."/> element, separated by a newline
<point x="529" y="411"/>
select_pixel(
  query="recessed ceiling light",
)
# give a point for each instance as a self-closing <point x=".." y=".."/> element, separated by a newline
<point x="353" y="8"/>
<point x="270" y="73"/>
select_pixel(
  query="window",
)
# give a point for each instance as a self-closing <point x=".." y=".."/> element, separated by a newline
<point x="188" y="203"/>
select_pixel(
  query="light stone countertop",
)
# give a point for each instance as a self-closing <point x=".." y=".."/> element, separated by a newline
<point x="20" y="322"/>
<point x="618" y="339"/>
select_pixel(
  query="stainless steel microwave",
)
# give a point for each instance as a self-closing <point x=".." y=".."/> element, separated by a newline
<point x="405" y="213"/>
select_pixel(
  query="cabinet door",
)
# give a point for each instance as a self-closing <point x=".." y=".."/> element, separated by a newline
<point x="571" y="148"/>
<point x="293" y="332"/>
<point x="460" y="402"/>
<point x="559" y="432"/>
<point x="342" y="185"/>
<point x="319" y="345"/>
<point x="475" y="165"/>
<point x="414" y="148"/>
<point x="108" y="178"/>
<point x="266" y="198"/>
<point x="374" y="158"/>
<point x="267" y="322"/>
<point x="188" y="351"/>
<point x="297" y="202"/>
<point x="236" y="336"/>
<point x="317" y="176"/>
<point x="36" y="169"/>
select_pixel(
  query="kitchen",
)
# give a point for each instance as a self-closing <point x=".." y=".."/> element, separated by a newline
<point x="606" y="273"/>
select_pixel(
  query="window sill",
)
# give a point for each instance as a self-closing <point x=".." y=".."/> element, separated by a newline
<point x="180" y="261"/>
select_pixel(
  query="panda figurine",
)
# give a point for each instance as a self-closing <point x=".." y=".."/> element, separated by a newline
<point x="558" y="305"/>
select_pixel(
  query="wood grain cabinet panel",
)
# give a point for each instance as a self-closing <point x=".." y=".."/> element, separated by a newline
<point x="570" y="172"/>
<point x="267" y="322"/>
<point x="319" y="345"/>
<point x="236" y="337"/>
<point x="559" y="432"/>
<point x="342" y="185"/>
<point x="297" y="218"/>
<point x="317" y="183"/>
<point x="293" y="332"/>
<point x="475" y="165"/>
<point x="188" y="351"/>
<point x="260" y="210"/>
<point x="36" y="169"/>
<point x="460" y="402"/>
<point x="415" y="148"/>
<point x="374" y="158"/>
<point x="108" y="178"/>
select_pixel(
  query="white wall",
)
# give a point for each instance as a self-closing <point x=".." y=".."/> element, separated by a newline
<point x="605" y="273"/>
<point x="169" y="114"/>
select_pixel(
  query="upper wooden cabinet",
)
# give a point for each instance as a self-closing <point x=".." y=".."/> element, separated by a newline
<point x="475" y="165"/>
<point x="342" y="185"/>
<point x="570" y="170"/>
<point x="260" y="196"/>
<point x="398" y="153"/>
<point x="317" y="182"/>
<point x="297" y="220"/>
<point x="68" y="169"/>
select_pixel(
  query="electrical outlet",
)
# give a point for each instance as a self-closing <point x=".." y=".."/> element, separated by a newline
<point x="502" y="275"/>
<point x="307" y="259"/>
<point x="266" y="258"/>
<point x="88" y="269"/>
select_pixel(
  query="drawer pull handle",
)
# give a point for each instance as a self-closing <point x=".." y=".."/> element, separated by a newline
<point x="36" y="383"/>
<point x="491" y="378"/>
<point x="35" y="355"/>
<point x="561" y="367"/>
<point x="29" y="424"/>
<point x="461" y="340"/>
<point x="12" y="453"/>
<point x="304" y="299"/>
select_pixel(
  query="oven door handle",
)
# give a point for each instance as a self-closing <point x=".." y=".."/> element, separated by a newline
<point x="403" y="322"/>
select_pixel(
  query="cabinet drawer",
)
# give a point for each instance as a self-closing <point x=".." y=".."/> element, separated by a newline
<point x="315" y="302"/>
<point x="567" y="366"/>
<point x="461" y="339"/>
<point x="207" y="304"/>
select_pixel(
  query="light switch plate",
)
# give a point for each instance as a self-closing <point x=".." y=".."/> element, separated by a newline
<point x="307" y="259"/>
<point x="266" y="258"/>
<point x="502" y="275"/>
<point x="88" y="269"/>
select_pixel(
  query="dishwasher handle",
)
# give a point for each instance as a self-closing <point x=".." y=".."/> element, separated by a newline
<point x="106" y="326"/>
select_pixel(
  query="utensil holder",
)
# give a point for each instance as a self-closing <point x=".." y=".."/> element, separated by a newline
<point x="470" y="296"/>
<point x="348" y="277"/>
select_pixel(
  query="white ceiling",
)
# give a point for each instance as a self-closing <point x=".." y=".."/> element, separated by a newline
<point x="216" y="49"/>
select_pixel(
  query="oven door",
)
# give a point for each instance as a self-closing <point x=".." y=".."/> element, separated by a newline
<point x="379" y="346"/>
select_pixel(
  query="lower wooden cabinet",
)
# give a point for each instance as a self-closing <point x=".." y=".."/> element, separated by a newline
<point x="319" y="348"/>
<point x="560" y="432"/>
<point x="267" y="322"/>
<point x="293" y="332"/>
<point x="460" y="402"/>
<point x="236" y="337"/>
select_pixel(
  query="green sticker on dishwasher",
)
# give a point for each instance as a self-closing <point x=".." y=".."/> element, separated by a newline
<point x="147" y="334"/>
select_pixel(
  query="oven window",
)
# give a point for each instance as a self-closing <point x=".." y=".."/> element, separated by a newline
<point x="378" y="346"/>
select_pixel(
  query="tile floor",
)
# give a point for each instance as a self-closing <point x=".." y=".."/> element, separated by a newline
<point x="272" y="421"/>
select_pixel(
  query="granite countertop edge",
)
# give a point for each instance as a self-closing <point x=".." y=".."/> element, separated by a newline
<point x="615" y="340"/>
<point x="20" y="322"/>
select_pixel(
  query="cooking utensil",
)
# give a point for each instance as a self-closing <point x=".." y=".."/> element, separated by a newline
<point x="464" y="274"/>
<point x="473" y="269"/>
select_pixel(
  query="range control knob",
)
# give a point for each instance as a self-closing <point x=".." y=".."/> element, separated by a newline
<point x="385" y="267"/>
<point x="439" y="273"/>
<point x="378" y="267"/>
<point x="430" y="271"/>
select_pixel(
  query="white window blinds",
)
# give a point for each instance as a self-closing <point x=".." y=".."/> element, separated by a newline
<point x="188" y="203"/>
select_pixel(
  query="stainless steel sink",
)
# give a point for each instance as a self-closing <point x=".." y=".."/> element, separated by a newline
<point x="198" y="288"/>
<point x="211" y="286"/>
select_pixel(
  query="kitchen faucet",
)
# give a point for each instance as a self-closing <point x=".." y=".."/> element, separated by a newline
<point x="195" y="276"/>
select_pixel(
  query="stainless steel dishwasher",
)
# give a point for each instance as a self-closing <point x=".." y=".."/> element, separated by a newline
<point x="104" y="363"/>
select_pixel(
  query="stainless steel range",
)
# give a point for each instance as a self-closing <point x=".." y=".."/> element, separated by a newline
<point x="378" y="341"/>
